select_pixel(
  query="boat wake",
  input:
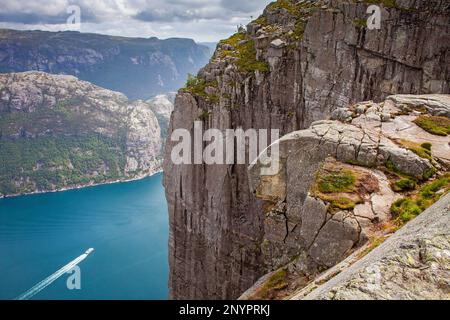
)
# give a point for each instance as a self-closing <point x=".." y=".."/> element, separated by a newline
<point x="48" y="281"/>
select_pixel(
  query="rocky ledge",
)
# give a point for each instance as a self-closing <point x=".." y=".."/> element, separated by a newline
<point x="346" y="185"/>
<point x="57" y="132"/>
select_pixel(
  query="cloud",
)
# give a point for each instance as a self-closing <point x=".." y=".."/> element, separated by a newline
<point x="203" y="20"/>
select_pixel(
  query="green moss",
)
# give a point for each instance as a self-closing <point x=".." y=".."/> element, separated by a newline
<point x="197" y="86"/>
<point x="262" y="20"/>
<point x="299" y="30"/>
<point x="435" y="125"/>
<point x="417" y="149"/>
<point x="244" y="52"/>
<point x="343" y="203"/>
<point x="405" y="184"/>
<point x="234" y="39"/>
<point x="427" y="146"/>
<point x="429" y="191"/>
<point x="429" y="173"/>
<point x="247" y="59"/>
<point x="405" y="209"/>
<point x="408" y="208"/>
<point x="343" y="181"/>
<point x="288" y="5"/>
<point x="360" y="23"/>
<point x="276" y="282"/>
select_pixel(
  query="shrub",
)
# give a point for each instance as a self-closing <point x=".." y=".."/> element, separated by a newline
<point x="405" y="184"/>
<point x="405" y="209"/>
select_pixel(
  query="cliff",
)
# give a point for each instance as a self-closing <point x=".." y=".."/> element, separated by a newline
<point x="59" y="132"/>
<point x="412" y="265"/>
<point x="349" y="183"/>
<point x="139" y="68"/>
<point x="296" y="64"/>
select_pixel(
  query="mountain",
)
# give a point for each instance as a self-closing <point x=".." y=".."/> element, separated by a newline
<point x="294" y="67"/>
<point x="58" y="132"/>
<point x="139" y="68"/>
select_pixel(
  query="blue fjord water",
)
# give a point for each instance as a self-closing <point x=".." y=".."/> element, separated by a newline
<point x="126" y="223"/>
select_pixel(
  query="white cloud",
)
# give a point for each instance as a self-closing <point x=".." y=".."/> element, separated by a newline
<point x="203" y="20"/>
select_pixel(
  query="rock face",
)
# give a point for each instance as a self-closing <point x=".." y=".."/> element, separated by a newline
<point x="319" y="218"/>
<point x="162" y="106"/>
<point x="59" y="132"/>
<point x="324" y="61"/>
<point x="414" y="264"/>
<point x="139" y="68"/>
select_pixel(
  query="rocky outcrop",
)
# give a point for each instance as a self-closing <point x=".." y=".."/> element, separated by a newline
<point x="341" y="182"/>
<point x="296" y="64"/>
<point x="162" y="106"/>
<point x="140" y="68"/>
<point x="59" y="132"/>
<point x="413" y="264"/>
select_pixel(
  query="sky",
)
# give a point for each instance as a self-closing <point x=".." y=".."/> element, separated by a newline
<point x="201" y="20"/>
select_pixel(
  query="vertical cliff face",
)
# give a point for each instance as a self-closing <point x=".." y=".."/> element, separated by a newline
<point x="295" y="64"/>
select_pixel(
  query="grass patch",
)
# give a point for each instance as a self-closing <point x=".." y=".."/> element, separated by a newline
<point x="343" y="181"/>
<point x="417" y="148"/>
<point x="247" y="62"/>
<point x="288" y="5"/>
<point x="275" y="283"/>
<point x="343" y="203"/>
<point x="245" y="53"/>
<point x="197" y="86"/>
<point x="405" y="184"/>
<point x="408" y="208"/>
<point x="439" y="126"/>
<point x="342" y="185"/>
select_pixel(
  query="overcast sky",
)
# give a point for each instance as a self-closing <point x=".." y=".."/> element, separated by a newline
<point x="202" y="20"/>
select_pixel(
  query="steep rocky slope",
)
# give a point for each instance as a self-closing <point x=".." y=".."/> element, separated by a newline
<point x="346" y="183"/>
<point x="59" y="132"/>
<point x="296" y="64"/>
<point x="162" y="106"/>
<point x="137" y="67"/>
<point x="412" y="265"/>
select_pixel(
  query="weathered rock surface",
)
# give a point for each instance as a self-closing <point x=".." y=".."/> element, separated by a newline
<point x="413" y="264"/>
<point x="323" y="61"/>
<point x="59" y="132"/>
<point x="307" y="224"/>
<point x="162" y="106"/>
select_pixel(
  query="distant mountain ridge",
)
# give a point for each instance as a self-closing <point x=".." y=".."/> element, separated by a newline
<point x="140" y="68"/>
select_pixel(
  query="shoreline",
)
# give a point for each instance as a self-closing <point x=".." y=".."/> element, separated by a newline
<point x="83" y="186"/>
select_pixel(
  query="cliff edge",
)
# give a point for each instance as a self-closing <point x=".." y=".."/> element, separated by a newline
<point x="296" y="64"/>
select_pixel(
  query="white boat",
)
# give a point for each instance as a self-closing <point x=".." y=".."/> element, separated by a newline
<point x="89" y="251"/>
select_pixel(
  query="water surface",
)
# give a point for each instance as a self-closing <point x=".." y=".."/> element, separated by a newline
<point x="126" y="223"/>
